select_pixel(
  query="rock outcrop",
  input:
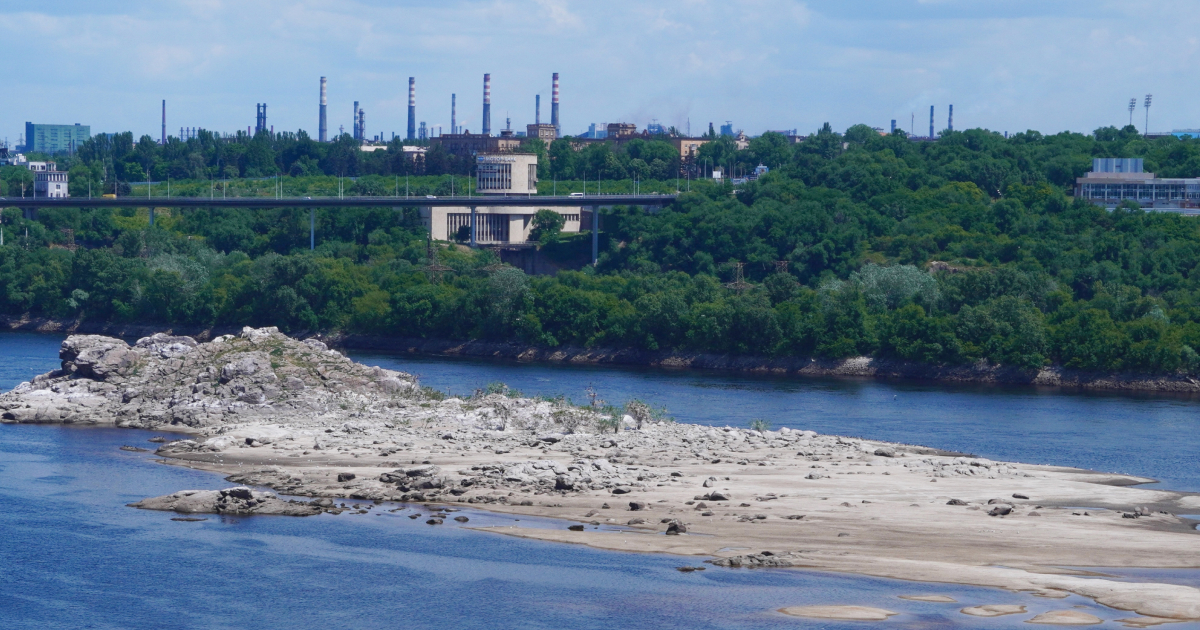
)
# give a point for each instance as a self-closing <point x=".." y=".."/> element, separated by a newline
<point x="239" y="501"/>
<point x="163" y="380"/>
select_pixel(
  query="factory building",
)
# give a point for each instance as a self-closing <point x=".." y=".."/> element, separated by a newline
<point x="1113" y="180"/>
<point x="497" y="174"/>
<point x="55" y="138"/>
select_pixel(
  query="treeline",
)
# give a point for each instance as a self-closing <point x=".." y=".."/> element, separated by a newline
<point x="109" y="163"/>
<point x="950" y="252"/>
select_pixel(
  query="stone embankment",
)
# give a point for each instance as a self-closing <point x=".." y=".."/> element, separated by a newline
<point x="302" y="419"/>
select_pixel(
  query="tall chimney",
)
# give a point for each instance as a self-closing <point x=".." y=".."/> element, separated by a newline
<point x="453" y="113"/>
<point x="412" y="108"/>
<point x="931" y="122"/>
<point x="537" y="109"/>
<point x="950" y="126"/>
<point x="893" y="125"/>
<point x="487" y="104"/>
<point x="554" y="109"/>
<point x="164" y="123"/>
<point x="354" y="130"/>
<point x="322" y="129"/>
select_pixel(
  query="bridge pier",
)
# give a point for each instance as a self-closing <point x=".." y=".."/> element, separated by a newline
<point x="473" y="224"/>
<point x="312" y="229"/>
<point x="29" y="213"/>
<point x="595" y="235"/>
<point x="151" y="216"/>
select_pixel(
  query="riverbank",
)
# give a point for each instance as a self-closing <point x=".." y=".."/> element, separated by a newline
<point x="802" y="367"/>
<point x="299" y="418"/>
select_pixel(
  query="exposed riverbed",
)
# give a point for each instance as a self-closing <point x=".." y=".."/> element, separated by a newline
<point x="74" y="555"/>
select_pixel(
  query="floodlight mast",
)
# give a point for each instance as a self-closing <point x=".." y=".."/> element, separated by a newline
<point x="1132" y="106"/>
<point x="1148" y="97"/>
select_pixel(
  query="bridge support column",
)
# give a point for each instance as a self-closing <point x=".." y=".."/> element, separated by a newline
<point x="29" y="213"/>
<point x="473" y="224"/>
<point x="151" y="216"/>
<point x="312" y="229"/>
<point x="595" y="235"/>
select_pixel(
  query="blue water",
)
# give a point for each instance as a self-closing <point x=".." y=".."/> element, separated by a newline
<point x="72" y="556"/>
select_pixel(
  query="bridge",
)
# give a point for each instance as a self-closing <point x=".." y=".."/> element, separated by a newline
<point x="32" y="204"/>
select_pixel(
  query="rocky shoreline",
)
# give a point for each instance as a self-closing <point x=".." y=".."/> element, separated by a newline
<point x="266" y="410"/>
<point x="803" y="367"/>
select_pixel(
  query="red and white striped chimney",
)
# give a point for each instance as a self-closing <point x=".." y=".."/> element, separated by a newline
<point x="554" y="109"/>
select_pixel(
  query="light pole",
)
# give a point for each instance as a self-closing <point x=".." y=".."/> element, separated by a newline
<point x="1132" y="106"/>
<point x="1148" y="97"/>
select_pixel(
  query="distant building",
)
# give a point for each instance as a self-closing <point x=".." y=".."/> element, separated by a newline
<point x="467" y="144"/>
<point x="1113" y="180"/>
<point x="727" y="129"/>
<point x="11" y="159"/>
<point x="656" y="129"/>
<point x="543" y="132"/>
<point x="596" y="132"/>
<point x="55" y="138"/>
<point x="689" y="148"/>
<point x="619" y="131"/>
<point x="497" y="174"/>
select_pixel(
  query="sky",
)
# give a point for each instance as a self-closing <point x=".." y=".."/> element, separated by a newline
<point x="1005" y="65"/>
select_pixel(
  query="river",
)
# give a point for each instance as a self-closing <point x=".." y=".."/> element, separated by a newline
<point x="72" y="556"/>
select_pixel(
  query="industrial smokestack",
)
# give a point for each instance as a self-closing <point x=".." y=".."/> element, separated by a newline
<point x="893" y="126"/>
<point x="931" y="122"/>
<point x="554" y="108"/>
<point x="322" y="129"/>
<point x="412" y="108"/>
<point x="950" y="125"/>
<point x="164" y="123"/>
<point x="354" y="126"/>
<point x="487" y="104"/>
<point x="453" y="113"/>
<point x="537" y="109"/>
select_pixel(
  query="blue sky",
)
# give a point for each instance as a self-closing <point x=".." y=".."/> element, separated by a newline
<point x="1007" y="65"/>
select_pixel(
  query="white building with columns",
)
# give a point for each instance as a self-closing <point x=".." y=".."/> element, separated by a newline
<point x="497" y="175"/>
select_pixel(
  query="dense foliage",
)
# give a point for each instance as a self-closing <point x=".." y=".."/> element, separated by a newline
<point x="962" y="250"/>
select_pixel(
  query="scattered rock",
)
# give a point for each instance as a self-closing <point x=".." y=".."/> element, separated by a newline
<point x="839" y="613"/>
<point x="637" y="506"/>
<point x="674" y="528"/>
<point x="434" y="521"/>
<point x="956" y="502"/>
<point x="1066" y="618"/>
<point x="575" y="528"/>
<point x="935" y="599"/>
<point x="1000" y="509"/>
<point x="344" y="477"/>
<point x="461" y="519"/>
<point x="885" y="451"/>
<point x="1017" y="495"/>
<point x="188" y="519"/>
<point x="993" y="610"/>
